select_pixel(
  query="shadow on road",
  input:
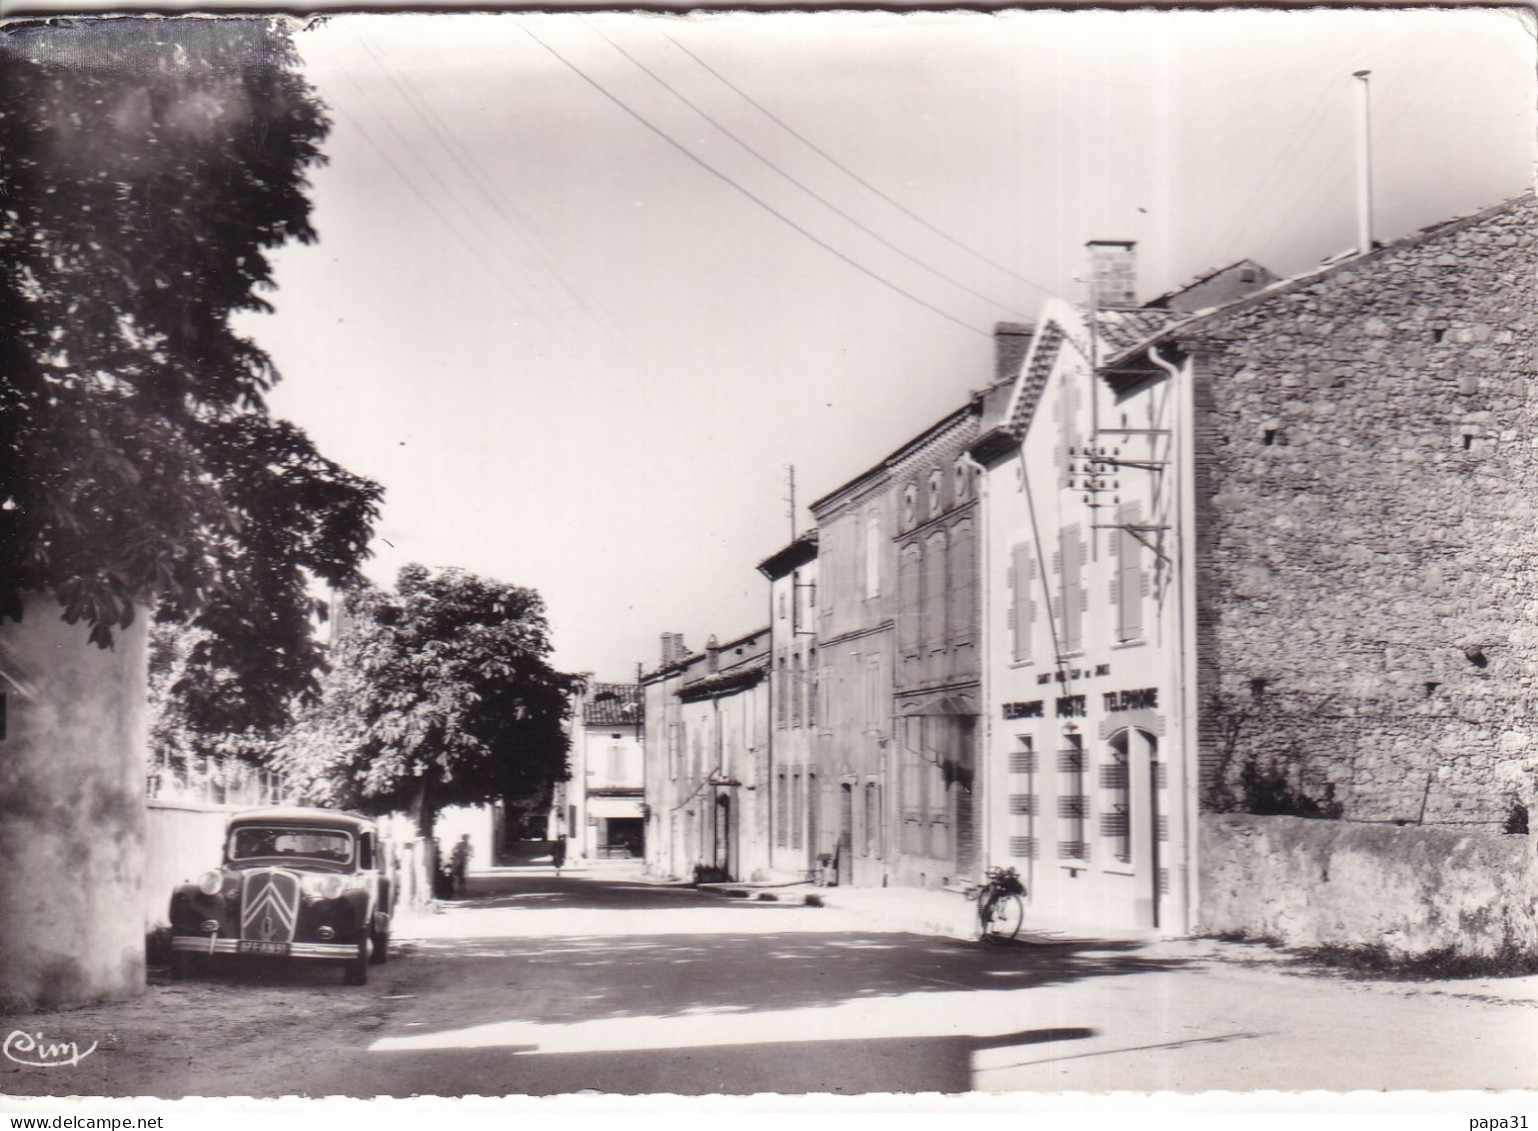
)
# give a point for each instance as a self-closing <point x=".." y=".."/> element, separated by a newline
<point x="849" y="1067"/>
<point x="568" y="971"/>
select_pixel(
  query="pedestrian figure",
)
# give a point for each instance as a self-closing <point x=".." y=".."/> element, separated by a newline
<point x="461" y="863"/>
<point x="558" y="853"/>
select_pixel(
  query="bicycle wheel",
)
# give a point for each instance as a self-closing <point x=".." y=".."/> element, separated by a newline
<point x="1005" y="914"/>
<point x="985" y="902"/>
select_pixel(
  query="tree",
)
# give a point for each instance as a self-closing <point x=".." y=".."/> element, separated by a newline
<point x="440" y="693"/>
<point x="149" y="166"/>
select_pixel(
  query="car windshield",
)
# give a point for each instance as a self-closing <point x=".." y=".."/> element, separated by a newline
<point x="251" y="842"/>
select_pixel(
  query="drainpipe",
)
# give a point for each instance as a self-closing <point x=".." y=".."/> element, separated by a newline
<point x="985" y="755"/>
<point x="1186" y="766"/>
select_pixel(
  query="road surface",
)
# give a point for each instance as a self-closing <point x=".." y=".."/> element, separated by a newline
<point x="537" y="985"/>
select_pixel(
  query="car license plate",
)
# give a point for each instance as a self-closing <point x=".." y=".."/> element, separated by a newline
<point x="248" y="946"/>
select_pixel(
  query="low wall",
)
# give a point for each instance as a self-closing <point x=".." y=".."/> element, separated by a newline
<point x="184" y="839"/>
<point x="1411" y="890"/>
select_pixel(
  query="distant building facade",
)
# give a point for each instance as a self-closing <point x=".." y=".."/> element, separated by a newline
<point x="599" y="808"/>
<point x="708" y="759"/>
<point x="796" y="707"/>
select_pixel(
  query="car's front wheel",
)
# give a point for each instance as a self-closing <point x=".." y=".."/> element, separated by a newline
<point x="381" y="953"/>
<point x="356" y="973"/>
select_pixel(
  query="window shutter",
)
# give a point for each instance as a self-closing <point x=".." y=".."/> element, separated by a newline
<point x="1072" y="554"/>
<point x="1023" y="611"/>
<point x="1129" y="575"/>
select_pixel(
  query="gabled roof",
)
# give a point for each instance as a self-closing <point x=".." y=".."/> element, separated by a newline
<point x="611" y="704"/>
<point x="1296" y="282"/>
<point x="917" y="444"/>
<point x="802" y="549"/>
<point x="1182" y="298"/>
<point x="742" y="675"/>
<point x="1118" y="329"/>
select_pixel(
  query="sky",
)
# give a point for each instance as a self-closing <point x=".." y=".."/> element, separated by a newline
<point x="588" y="286"/>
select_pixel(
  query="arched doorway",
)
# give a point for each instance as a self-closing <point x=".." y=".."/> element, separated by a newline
<point x="1133" y="825"/>
<point x="725" y="853"/>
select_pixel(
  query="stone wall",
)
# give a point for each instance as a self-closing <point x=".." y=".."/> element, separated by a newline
<point x="1412" y="891"/>
<point x="72" y="765"/>
<point x="1367" y="524"/>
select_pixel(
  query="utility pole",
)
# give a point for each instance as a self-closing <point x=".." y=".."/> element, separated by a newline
<point x="790" y="474"/>
<point x="1363" y="164"/>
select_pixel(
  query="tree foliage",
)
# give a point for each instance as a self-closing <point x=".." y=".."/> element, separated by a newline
<point x="148" y="168"/>
<point x="440" y="693"/>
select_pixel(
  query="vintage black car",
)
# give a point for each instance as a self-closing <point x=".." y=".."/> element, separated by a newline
<point x="295" y="883"/>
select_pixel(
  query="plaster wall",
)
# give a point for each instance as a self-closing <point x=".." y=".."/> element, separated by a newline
<point x="72" y="811"/>
<point x="1085" y="762"/>
<point x="183" y="839"/>
<point x="793" y="733"/>
<point x="1411" y="890"/>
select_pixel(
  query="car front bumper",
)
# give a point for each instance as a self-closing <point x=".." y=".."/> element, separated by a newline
<point x="203" y="944"/>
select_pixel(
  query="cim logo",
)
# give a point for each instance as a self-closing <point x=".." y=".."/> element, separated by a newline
<point x="271" y="906"/>
<point x="33" y="1051"/>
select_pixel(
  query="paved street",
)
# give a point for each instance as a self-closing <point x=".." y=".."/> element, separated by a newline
<point x="538" y="985"/>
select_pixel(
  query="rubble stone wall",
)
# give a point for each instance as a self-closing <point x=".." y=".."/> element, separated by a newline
<point x="1412" y="891"/>
<point x="1367" y="480"/>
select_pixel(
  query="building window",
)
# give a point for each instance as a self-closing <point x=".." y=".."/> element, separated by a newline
<point x="782" y="699"/>
<point x="1022" y="580"/>
<point x="961" y="570"/>
<point x="936" y="492"/>
<point x="1115" y="783"/>
<point x="781" y="811"/>
<point x="675" y="743"/>
<point x="616" y="765"/>
<point x="798" y="806"/>
<point x="933" y="628"/>
<point x="796" y="690"/>
<point x="961" y="480"/>
<point x="1023" y="800"/>
<point x="814" y="679"/>
<point x="872" y="817"/>
<point x="1072" y="803"/>
<point x="1129" y="575"/>
<point x="1072" y="592"/>
<point x="782" y="604"/>
<point x="910" y="609"/>
<point x="910" y="505"/>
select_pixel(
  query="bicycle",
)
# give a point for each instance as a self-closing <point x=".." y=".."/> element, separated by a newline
<point x="1000" y="909"/>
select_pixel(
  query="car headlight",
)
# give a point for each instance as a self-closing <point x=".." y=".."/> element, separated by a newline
<point x="326" y="887"/>
<point x="209" y="883"/>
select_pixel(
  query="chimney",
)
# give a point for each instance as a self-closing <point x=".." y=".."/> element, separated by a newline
<point x="673" y="648"/>
<point x="1113" y="274"/>
<point x="713" y="655"/>
<point x="1011" y="342"/>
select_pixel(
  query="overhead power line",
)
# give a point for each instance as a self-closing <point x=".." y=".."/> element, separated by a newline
<point x="1308" y="127"/>
<point x="490" y="191"/>
<point x="432" y="207"/>
<point x="850" y="173"/>
<point x="765" y="205"/>
<point x="800" y="184"/>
